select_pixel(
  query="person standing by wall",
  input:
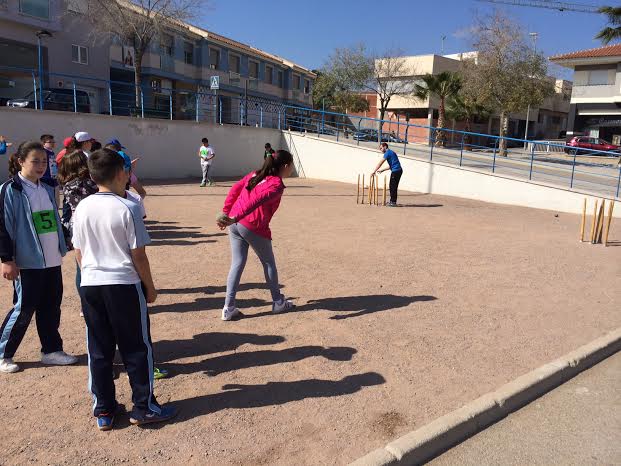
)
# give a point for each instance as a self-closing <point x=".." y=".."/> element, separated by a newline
<point x="207" y="154"/>
<point x="396" y="171"/>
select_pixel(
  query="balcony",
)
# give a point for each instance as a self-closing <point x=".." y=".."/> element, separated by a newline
<point x="601" y="93"/>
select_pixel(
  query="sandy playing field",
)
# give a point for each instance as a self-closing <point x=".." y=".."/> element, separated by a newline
<point x="403" y="315"/>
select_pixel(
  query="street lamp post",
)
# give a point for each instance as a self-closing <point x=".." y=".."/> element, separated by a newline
<point x="39" y="35"/>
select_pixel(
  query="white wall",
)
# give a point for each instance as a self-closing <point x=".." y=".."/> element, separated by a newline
<point x="329" y="160"/>
<point x="168" y="148"/>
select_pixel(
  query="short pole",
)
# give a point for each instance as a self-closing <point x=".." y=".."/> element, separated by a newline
<point x="461" y="153"/>
<point x="75" y="100"/>
<point x="592" y="235"/>
<point x="110" y="99"/>
<point x="358" y="189"/>
<point x="597" y="222"/>
<point x="384" y="189"/>
<point x="34" y="85"/>
<point x="141" y="103"/>
<point x="610" y="209"/>
<point x="170" y="105"/>
<point x="197" y="106"/>
<point x="362" y="198"/>
<point x="582" y="224"/>
<point x="377" y="190"/>
<point x="573" y="170"/>
<point x="600" y="222"/>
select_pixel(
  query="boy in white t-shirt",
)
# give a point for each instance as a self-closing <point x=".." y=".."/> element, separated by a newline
<point x="109" y="238"/>
<point x="207" y="154"/>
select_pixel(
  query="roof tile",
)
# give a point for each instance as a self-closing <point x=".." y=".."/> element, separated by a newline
<point x="606" y="51"/>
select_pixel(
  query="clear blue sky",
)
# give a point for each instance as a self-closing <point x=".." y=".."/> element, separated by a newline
<point x="306" y="32"/>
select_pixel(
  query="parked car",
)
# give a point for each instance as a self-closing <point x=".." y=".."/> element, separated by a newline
<point x="396" y="139"/>
<point x="369" y="134"/>
<point x="593" y="144"/>
<point x="55" y="99"/>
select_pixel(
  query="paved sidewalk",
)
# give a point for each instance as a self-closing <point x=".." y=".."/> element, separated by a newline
<point x="579" y="423"/>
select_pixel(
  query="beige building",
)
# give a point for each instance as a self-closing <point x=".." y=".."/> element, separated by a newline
<point x="596" y="96"/>
<point x="547" y="122"/>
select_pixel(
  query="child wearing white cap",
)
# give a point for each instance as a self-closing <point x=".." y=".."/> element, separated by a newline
<point x="81" y="141"/>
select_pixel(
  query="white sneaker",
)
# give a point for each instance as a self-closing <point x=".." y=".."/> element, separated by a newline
<point x="8" y="366"/>
<point x="283" y="305"/>
<point x="59" y="358"/>
<point x="228" y="314"/>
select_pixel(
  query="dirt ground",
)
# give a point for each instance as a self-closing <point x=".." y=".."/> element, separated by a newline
<point x="403" y="315"/>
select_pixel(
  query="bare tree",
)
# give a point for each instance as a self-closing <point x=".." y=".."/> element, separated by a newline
<point x="138" y="22"/>
<point x="386" y="75"/>
<point x="508" y="75"/>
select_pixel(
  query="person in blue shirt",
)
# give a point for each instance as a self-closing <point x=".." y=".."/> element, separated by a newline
<point x="395" y="171"/>
<point x="4" y="145"/>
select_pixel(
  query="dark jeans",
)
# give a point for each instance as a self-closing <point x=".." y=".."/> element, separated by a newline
<point x="395" y="177"/>
<point x="38" y="292"/>
<point x="117" y="315"/>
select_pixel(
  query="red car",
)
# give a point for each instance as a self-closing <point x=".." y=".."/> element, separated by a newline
<point x="595" y="145"/>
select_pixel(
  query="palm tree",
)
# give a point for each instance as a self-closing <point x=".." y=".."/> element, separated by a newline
<point x="444" y="85"/>
<point x="463" y="108"/>
<point x="612" y="32"/>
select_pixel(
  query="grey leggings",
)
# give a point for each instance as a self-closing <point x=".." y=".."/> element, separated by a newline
<point x="205" y="169"/>
<point x="241" y="237"/>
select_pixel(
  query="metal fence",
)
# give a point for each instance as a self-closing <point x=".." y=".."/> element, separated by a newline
<point x="551" y="162"/>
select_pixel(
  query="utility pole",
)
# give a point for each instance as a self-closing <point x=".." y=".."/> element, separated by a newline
<point x="533" y="36"/>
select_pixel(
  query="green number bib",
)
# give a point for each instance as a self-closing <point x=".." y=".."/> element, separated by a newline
<point x="45" y="221"/>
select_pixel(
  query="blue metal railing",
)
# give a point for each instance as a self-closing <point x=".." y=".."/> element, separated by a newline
<point x="543" y="161"/>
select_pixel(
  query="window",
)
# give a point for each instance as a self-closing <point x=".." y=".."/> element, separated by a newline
<point x="280" y="79"/>
<point x="188" y="53"/>
<point x="306" y="86"/>
<point x="598" y="78"/>
<point x="214" y="59"/>
<point x="234" y="63"/>
<point x="36" y="8"/>
<point x="269" y="75"/>
<point x="166" y="44"/>
<point x="253" y="70"/>
<point x="296" y="81"/>
<point x="79" y="54"/>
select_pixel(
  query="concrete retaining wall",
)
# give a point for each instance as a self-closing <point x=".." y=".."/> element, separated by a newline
<point x="330" y="160"/>
<point x="168" y="148"/>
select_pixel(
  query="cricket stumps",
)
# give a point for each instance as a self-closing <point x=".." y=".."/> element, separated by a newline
<point x="370" y="194"/>
<point x="600" y="225"/>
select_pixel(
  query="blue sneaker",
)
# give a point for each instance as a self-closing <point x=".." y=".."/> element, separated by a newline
<point x="166" y="413"/>
<point x="105" y="422"/>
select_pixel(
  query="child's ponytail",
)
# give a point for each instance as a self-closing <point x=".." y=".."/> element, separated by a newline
<point x="271" y="167"/>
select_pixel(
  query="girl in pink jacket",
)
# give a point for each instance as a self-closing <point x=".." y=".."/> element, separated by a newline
<point x="248" y="209"/>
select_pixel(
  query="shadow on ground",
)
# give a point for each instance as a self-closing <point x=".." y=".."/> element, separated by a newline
<point x="244" y="360"/>
<point x="356" y="305"/>
<point x="238" y="396"/>
<point x="209" y="343"/>
<point x="165" y="234"/>
<point x="206" y="304"/>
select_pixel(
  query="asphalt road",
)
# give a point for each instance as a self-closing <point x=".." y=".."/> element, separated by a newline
<point x="578" y="423"/>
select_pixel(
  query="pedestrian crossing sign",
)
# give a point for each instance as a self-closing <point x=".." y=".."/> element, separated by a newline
<point x="215" y="82"/>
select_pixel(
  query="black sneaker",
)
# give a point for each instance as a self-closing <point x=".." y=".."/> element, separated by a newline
<point x="166" y="413"/>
